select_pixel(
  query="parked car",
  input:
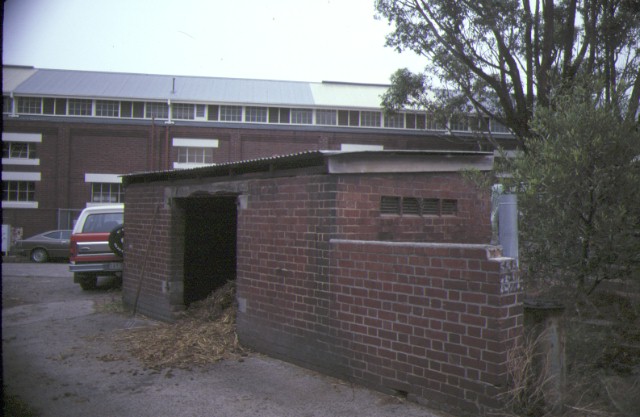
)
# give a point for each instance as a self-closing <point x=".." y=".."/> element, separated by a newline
<point x="96" y="247"/>
<point x="45" y="246"/>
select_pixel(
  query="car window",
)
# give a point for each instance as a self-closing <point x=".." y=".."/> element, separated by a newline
<point x="52" y="235"/>
<point x="102" y="222"/>
<point x="65" y="234"/>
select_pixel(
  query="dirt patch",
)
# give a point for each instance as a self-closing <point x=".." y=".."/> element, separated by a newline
<point x="205" y="334"/>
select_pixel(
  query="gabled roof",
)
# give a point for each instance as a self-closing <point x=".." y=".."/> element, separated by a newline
<point x="128" y="86"/>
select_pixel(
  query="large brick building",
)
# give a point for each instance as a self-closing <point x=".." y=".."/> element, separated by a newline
<point x="68" y="136"/>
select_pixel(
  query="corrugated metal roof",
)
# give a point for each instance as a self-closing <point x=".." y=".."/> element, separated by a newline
<point x="306" y="159"/>
<point x="106" y="85"/>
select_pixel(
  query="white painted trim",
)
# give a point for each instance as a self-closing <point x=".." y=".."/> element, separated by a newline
<point x="21" y="161"/>
<point x="20" y="176"/>
<point x="195" y="143"/>
<point x="354" y="147"/>
<point x="21" y="137"/>
<point x="103" y="178"/>
<point x="20" y="204"/>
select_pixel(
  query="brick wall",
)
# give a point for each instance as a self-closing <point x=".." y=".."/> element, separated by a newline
<point x="317" y="286"/>
<point x="149" y="255"/>
<point x="359" y="202"/>
<point x="431" y="321"/>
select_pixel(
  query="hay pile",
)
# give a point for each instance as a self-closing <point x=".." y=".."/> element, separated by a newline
<point x="203" y="335"/>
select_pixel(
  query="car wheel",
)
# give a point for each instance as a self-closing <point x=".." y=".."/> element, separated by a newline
<point x="116" y="240"/>
<point x="39" y="255"/>
<point x="87" y="281"/>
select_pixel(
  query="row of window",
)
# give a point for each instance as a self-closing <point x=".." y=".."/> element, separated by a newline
<point x="25" y="191"/>
<point x="411" y="206"/>
<point x="247" y="114"/>
<point x="186" y="155"/>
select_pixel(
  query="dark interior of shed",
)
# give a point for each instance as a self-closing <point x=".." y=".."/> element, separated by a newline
<point x="209" y="245"/>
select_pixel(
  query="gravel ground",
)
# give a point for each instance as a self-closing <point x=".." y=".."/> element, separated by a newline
<point x="60" y="358"/>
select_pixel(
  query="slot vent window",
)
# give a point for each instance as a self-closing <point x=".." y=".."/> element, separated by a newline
<point x="430" y="207"/>
<point x="411" y="206"/>
<point x="390" y="205"/>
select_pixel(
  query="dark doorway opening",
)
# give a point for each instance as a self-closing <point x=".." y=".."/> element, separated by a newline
<point x="209" y="245"/>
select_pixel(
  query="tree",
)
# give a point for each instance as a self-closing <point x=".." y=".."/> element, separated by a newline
<point x="508" y="58"/>
<point x="578" y="193"/>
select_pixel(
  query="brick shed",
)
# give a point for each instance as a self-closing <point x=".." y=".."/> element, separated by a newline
<point x="374" y="267"/>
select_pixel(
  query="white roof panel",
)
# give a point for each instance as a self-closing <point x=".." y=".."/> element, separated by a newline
<point x="347" y="95"/>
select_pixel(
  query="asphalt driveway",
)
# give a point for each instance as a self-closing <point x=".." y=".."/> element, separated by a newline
<point x="61" y="359"/>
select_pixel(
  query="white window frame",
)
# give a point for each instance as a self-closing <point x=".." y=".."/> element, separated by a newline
<point x="97" y="178"/>
<point x="326" y="117"/>
<point x="107" y="108"/>
<point x="20" y="177"/>
<point x="21" y="138"/>
<point x="193" y="143"/>
<point x="79" y="107"/>
<point x="301" y="117"/>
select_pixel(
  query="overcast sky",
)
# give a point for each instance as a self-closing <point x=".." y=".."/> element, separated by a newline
<point x="304" y="40"/>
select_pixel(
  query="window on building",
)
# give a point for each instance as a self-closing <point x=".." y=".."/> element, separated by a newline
<point x="192" y="155"/>
<point x="6" y="104"/>
<point x="48" y="105"/>
<point x="19" y="150"/>
<point x="138" y="109"/>
<point x="370" y="118"/>
<point x="497" y="127"/>
<point x="107" y="108"/>
<point x="326" y="117"/>
<point x="410" y="121"/>
<point x="18" y="190"/>
<point x="79" y="107"/>
<point x="354" y="118"/>
<point x="213" y="112"/>
<point x="434" y="123"/>
<point x="256" y="114"/>
<point x="200" y="111"/>
<point x="61" y="106"/>
<point x="182" y="111"/>
<point x="302" y="116"/>
<point x="343" y="117"/>
<point x="126" y="108"/>
<point x="107" y="193"/>
<point x="231" y="113"/>
<point x="30" y="105"/>
<point x="156" y="110"/>
<point x="394" y="120"/>
<point x="459" y="122"/>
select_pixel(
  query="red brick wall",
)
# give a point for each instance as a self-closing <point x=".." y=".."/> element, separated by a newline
<point x="432" y="321"/>
<point x="149" y="255"/>
<point x="358" y="209"/>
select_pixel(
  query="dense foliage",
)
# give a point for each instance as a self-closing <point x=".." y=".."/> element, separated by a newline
<point x="579" y="193"/>
<point x="507" y="58"/>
